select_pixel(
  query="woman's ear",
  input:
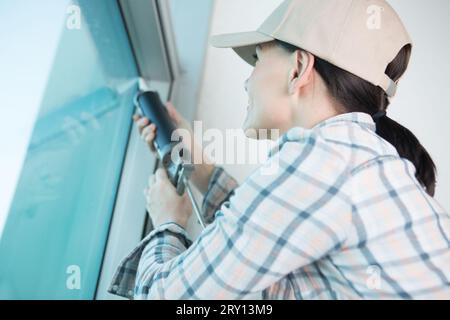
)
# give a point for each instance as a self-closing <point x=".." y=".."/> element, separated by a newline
<point x="300" y="75"/>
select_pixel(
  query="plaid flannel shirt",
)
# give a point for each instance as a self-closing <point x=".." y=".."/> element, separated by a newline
<point x="342" y="218"/>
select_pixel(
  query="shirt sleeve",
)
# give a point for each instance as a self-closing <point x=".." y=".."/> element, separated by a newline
<point x="123" y="282"/>
<point x="287" y="214"/>
<point x="221" y="187"/>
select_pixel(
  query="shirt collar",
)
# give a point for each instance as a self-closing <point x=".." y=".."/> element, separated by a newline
<point x="361" y="118"/>
<point x="296" y="133"/>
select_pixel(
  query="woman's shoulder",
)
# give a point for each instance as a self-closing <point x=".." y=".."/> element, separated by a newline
<point x="305" y="152"/>
<point x="356" y="144"/>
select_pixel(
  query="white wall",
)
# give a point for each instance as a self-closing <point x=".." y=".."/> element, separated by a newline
<point x="420" y="105"/>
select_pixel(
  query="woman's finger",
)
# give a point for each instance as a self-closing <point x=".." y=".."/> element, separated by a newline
<point x="151" y="179"/>
<point x="160" y="174"/>
<point x="148" y="131"/>
<point x="142" y="123"/>
<point x="136" y="117"/>
<point x="148" y="135"/>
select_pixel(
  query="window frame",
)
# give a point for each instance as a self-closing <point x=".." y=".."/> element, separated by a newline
<point x="129" y="218"/>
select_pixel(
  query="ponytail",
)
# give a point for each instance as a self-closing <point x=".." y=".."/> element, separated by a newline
<point x="409" y="147"/>
<point x="355" y="94"/>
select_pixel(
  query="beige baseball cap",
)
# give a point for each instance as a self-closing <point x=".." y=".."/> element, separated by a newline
<point x="359" y="36"/>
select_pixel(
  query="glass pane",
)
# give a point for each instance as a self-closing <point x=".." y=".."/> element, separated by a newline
<point x="58" y="223"/>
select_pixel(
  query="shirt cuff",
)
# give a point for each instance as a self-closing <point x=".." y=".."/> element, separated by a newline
<point x="123" y="282"/>
<point x="221" y="187"/>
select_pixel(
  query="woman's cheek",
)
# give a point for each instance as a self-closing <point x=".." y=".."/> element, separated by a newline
<point x="265" y="111"/>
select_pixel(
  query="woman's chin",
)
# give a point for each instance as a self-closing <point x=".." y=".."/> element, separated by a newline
<point x="251" y="128"/>
<point x="250" y="131"/>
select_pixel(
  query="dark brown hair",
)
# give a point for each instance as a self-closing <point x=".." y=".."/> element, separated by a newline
<point x="358" y="95"/>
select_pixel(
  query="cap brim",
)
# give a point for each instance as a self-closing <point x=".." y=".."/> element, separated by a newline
<point x="243" y="43"/>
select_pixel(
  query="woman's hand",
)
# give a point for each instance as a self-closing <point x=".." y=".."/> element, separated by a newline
<point x="147" y="130"/>
<point x="202" y="173"/>
<point x="163" y="202"/>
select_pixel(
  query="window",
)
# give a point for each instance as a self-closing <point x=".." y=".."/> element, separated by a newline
<point x="55" y="232"/>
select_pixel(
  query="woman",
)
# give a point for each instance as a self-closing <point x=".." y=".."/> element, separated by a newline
<point x="349" y="214"/>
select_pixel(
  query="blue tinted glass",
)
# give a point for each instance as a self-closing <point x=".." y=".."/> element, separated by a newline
<point x="59" y="219"/>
